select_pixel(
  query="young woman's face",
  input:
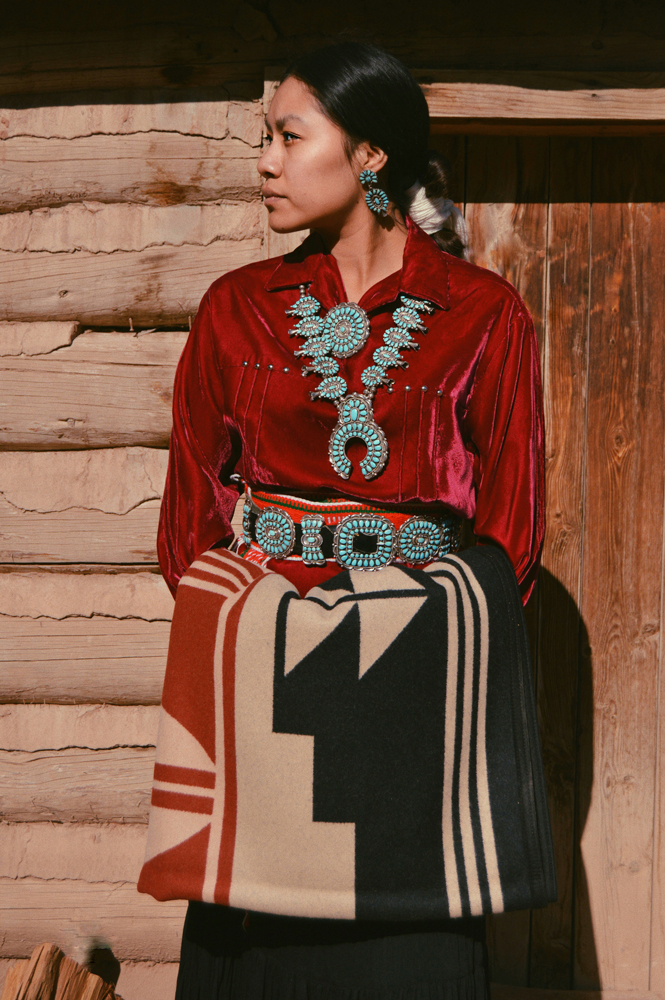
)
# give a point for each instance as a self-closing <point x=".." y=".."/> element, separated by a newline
<point x="308" y="181"/>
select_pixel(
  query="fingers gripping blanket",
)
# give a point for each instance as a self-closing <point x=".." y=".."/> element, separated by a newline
<point x="370" y="751"/>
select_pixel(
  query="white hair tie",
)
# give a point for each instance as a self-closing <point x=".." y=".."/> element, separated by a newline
<point x="431" y="213"/>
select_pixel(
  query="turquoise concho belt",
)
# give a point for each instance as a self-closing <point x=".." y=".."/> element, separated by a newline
<point x="356" y="535"/>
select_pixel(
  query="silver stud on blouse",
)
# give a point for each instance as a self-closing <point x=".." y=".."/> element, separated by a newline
<point x="244" y="364"/>
<point x="439" y="392"/>
<point x="424" y="388"/>
<point x="407" y="388"/>
<point x="257" y="365"/>
<point x="269" y="367"/>
<point x="285" y="369"/>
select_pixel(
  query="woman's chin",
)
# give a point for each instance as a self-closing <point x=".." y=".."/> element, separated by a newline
<point x="280" y="224"/>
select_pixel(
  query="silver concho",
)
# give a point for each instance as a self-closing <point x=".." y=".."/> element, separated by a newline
<point x="364" y="524"/>
<point x="419" y="540"/>
<point x="275" y="533"/>
<point x="356" y="420"/>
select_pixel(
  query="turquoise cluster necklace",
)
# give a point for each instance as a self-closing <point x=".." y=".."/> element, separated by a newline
<point x="339" y="334"/>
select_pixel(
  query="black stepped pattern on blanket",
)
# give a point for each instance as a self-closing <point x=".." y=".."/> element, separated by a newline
<point x="378" y="751"/>
<point x="379" y="743"/>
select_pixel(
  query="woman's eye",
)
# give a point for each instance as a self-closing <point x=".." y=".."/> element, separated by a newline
<point x="267" y="139"/>
<point x="287" y="136"/>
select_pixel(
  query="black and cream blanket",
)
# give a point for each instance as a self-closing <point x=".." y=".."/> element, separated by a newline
<point x="370" y="751"/>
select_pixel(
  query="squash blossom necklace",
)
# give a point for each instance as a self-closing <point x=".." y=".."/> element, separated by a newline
<point x="339" y="334"/>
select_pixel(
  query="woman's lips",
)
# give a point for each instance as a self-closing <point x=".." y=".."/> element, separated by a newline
<point x="270" y="197"/>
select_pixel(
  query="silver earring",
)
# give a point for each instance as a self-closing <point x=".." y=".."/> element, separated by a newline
<point x="376" y="198"/>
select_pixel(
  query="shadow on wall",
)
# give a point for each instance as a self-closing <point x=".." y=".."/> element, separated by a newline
<point x="553" y="948"/>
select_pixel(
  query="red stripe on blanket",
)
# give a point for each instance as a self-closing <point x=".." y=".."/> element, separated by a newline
<point x="241" y="570"/>
<point x="228" y="843"/>
<point x="180" y="802"/>
<point x="177" y="873"/>
<point x="192" y="654"/>
<point x="184" y="776"/>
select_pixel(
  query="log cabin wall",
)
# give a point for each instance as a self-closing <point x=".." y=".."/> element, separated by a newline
<point x="128" y="183"/>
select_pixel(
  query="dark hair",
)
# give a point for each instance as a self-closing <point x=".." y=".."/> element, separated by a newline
<point x="372" y="96"/>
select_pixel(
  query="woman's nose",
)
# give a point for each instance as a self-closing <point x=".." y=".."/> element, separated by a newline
<point x="268" y="162"/>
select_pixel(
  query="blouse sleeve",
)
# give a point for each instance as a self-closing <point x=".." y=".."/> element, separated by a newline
<point x="199" y="497"/>
<point x="504" y="421"/>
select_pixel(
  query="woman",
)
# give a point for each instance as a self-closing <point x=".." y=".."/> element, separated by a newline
<point x="453" y="433"/>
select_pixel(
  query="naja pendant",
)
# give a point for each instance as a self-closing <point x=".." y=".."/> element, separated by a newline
<point x="356" y="420"/>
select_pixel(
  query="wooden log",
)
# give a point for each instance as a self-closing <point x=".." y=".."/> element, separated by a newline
<point x="77" y="785"/>
<point x="82" y="660"/>
<point x="622" y="578"/>
<point x="90" y="852"/>
<point x="76" y="535"/>
<point x="157" y="286"/>
<point x="105" y="389"/>
<point x="152" y="168"/>
<point x="64" y="506"/>
<point x="74" y="913"/>
<point x="75" y="982"/>
<point x="457" y="95"/>
<point x="29" y="339"/>
<point x="13" y="976"/>
<point x="49" y="974"/>
<point x="138" y="980"/>
<point x="103" y="228"/>
<point x="199" y="112"/>
<point x="54" y="727"/>
<point x="58" y="594"/>
<point x="545" y="96"/>
<point x="83" y="637"/>
<point x="179" y="56"/>
<point x="531" y="102"/>
<point x="140" y="347"/>
<point x="182" y="52"/>
<point x="86" y="636"/>
<point x="39" y="976"/>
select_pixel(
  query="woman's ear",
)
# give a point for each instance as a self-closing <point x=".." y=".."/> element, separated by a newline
<point x="371" y="158"/>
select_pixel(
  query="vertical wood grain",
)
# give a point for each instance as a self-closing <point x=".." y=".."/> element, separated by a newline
<point x="657" y="963"/>
<point x="564" y="384"/>
<point x="506" y="193"/>
<point x="622" y="563"/>
<point x="506" y="212"/>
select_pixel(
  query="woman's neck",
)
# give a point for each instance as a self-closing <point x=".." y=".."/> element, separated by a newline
<point x="367" y="251"/>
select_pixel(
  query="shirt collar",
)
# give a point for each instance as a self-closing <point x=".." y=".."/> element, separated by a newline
<point x="424" y="272"/>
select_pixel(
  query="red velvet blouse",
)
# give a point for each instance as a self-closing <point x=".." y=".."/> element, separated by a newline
<point x="464" y="422"/>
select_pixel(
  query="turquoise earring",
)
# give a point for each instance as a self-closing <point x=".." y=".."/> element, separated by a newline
<point x="376" y="198"/>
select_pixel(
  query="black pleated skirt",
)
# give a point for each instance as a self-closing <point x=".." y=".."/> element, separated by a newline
<point x="229" y="955"/>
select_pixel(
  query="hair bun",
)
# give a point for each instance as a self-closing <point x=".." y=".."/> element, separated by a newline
<point x="428" y="213"/>
<point x="430" y="207"/>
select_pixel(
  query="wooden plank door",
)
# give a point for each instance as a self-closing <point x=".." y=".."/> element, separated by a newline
<point x="577" y="224"/>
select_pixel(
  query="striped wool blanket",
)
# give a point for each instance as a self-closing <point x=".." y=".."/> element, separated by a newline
<point x="369" y="751"/>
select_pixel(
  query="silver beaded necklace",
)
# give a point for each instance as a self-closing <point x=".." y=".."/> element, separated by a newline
<point x="339" y="334"/>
